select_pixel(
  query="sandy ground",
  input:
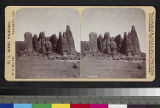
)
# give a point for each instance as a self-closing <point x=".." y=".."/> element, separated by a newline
<point x="40" y="68"/>
<point x="96" y="68"/>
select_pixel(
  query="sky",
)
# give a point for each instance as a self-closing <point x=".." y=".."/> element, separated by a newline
<point x="115" y="21"/>
<point x="49" y="20"/>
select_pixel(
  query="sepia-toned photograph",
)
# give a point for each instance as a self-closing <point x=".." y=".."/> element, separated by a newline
<point x="113" y="43"/>
<point x="79" y="43"/>
<point x="47" y="43"/>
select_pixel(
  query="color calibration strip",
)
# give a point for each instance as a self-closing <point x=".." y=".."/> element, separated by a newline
<point x="76" y="106"/>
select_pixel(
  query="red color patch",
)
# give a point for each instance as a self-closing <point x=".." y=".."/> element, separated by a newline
<point x="79" y="105"/>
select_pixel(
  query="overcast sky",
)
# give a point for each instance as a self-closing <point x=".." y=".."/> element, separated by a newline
<point x="113" y="20"/>
<point x="49" y="20"/>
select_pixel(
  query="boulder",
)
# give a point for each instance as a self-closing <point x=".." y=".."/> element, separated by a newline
<point x="93" y="42"/>
<point x="28" y="43"/>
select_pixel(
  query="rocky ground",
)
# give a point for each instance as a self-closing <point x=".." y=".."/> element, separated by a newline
<point x="38" y="67"/>
<point x="93" y="67"/>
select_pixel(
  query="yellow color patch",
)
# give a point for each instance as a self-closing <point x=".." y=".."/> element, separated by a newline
<point x="60" y="105"/>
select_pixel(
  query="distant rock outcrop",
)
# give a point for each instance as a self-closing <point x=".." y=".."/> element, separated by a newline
<point x="64" y="45"/>
<point x="128" y="45"/>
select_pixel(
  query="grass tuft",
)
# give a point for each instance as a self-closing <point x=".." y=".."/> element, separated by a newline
<point x="74" y="66"/>
<point x="139" y="66"/>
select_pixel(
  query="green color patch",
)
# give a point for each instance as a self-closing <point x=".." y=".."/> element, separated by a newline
<point x="41" y="106"/>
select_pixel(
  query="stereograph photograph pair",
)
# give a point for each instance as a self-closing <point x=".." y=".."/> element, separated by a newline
<point x="80" y="43"/>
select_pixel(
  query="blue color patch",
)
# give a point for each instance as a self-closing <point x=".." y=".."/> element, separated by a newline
<point x="6" y="105"/>
<point x="22" y="105"/>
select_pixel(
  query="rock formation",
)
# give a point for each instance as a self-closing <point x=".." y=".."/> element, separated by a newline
<point x="64" y="45"/>
<point x="28" y="43"/>
<point x="106" y="44"/>
<point x="53" y="39"/>
<point x="85" y="47"/>
<point x="59" y="44"/>
<point x="118" y="39"/>
<point x="124" y="44"/>
<point x="48" y="46"/>
<point x="70" y="40"/>
<point x="100" y="43"/>
<point x="128" y="45"/>
<point x="107" y="36"/>
<point x="135" y="40"/>
<point x="113" y="46"/>
<point x="35" y="43"/>
<point x="93" y="42"/>
<point x="42" y="39"/>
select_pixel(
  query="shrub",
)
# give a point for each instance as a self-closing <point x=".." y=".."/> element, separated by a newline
<point x="74" y="66"/>
<point x="139" y="66"/>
